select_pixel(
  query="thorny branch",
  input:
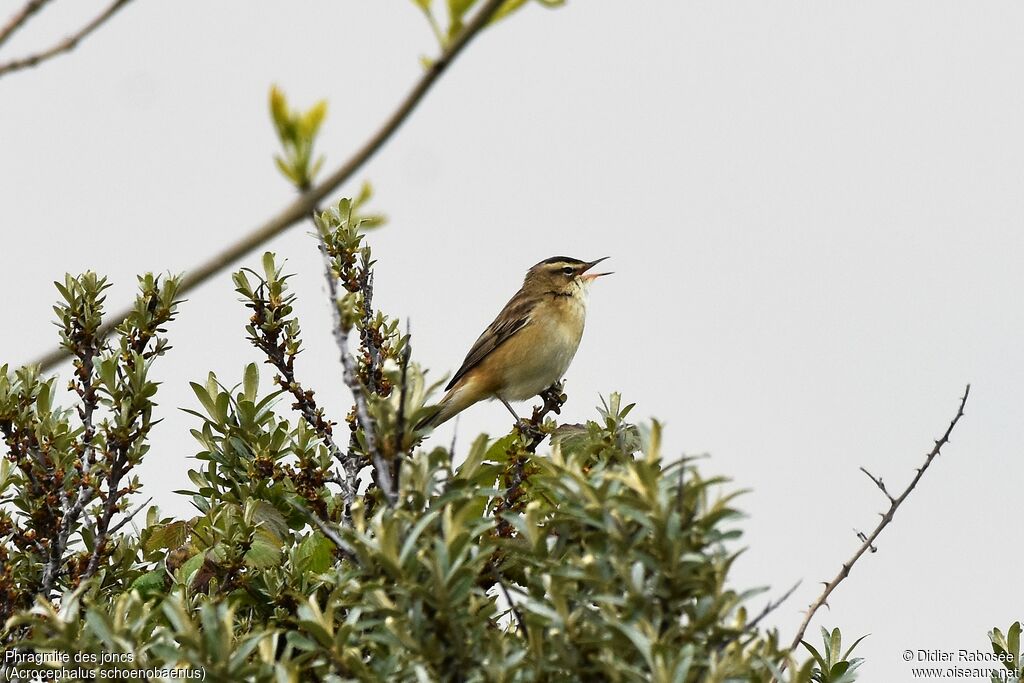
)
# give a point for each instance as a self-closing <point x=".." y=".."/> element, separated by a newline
<point x="305" y="204"/>
<point x="887" y="517"/>
<point x="362" y="373"/>
<point x="879" y="483"/>
<point x="65" y="45"/>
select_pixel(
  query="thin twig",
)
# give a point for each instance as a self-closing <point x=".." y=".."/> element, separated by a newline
<point x="878" y="483"/>
<point x="511" y="604"/>
<point x="331" y="535"/>
<point x="348" y="463"/>
<point x="770" y="607"/>
<point x="65" y="45"/>
<point x="128" y="518"/>
<point x="303" y="205"/>
<point x="19" y="19"/>
<point x="455" y="433"/>
<point x="753" y="624"/>
<point x="887" y="517"/>
<point x="381" y="470"/>
<point x="399" y="449"/>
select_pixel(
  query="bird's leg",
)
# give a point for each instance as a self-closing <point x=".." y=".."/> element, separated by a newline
<point x="506" y="404"/>
<point x="521" y="424"/>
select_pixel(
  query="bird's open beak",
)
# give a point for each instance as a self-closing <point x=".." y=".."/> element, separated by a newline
<point x="592" y="276"/>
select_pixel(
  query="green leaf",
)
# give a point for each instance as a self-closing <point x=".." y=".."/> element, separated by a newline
<point x="472" y="463"/>
<point x="314" y="554"/>
<point x="151" y="583"/>
<point x="168" y="536"/>
<point x="251" y="382"/>
<point x="269" y="518"/>
<point x="265" y="550"/>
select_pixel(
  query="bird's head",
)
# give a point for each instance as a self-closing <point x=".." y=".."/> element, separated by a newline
<point x="562" y="275"/>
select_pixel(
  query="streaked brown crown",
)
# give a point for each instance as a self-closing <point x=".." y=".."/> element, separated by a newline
<point x="557" y="274"/>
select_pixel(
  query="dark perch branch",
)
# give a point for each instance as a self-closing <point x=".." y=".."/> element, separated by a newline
<point x="19" y="19"/>
<point x="515" y="473"/>
<point x="304" y="205"/>
<point x="65" y="45"/>
<point x="887" y="517"/>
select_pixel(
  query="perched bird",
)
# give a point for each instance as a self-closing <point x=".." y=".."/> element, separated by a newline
<point x="529" y="345"/>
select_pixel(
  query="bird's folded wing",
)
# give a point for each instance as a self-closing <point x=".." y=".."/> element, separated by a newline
<point x="514" y="317"/>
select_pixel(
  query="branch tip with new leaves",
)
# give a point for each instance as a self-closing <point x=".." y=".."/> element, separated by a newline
<point x="301" y="207"/>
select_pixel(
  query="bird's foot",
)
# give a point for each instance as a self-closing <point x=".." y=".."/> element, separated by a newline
<point x="553" y="398"/>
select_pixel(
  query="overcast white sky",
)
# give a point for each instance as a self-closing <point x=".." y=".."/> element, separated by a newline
<point x="813" y="210"/>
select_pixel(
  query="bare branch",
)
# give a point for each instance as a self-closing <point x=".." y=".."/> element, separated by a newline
<point x="868" y="541"/>
<point x="65" y="45"/>
<point x="305" y="204"/>
<point x="19" y="19"/>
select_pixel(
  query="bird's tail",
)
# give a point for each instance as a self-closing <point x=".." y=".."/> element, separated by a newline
<point x="453" y="403"/>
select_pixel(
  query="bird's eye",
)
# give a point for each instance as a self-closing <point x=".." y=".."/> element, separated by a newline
<point x="568" y="270"/>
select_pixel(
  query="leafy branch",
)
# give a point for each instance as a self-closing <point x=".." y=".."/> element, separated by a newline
<point x="71" y="481"/>
<point x="273" y="330"/>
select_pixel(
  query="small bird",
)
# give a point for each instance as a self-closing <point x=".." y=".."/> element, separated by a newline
<point x="531" y="343"/>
